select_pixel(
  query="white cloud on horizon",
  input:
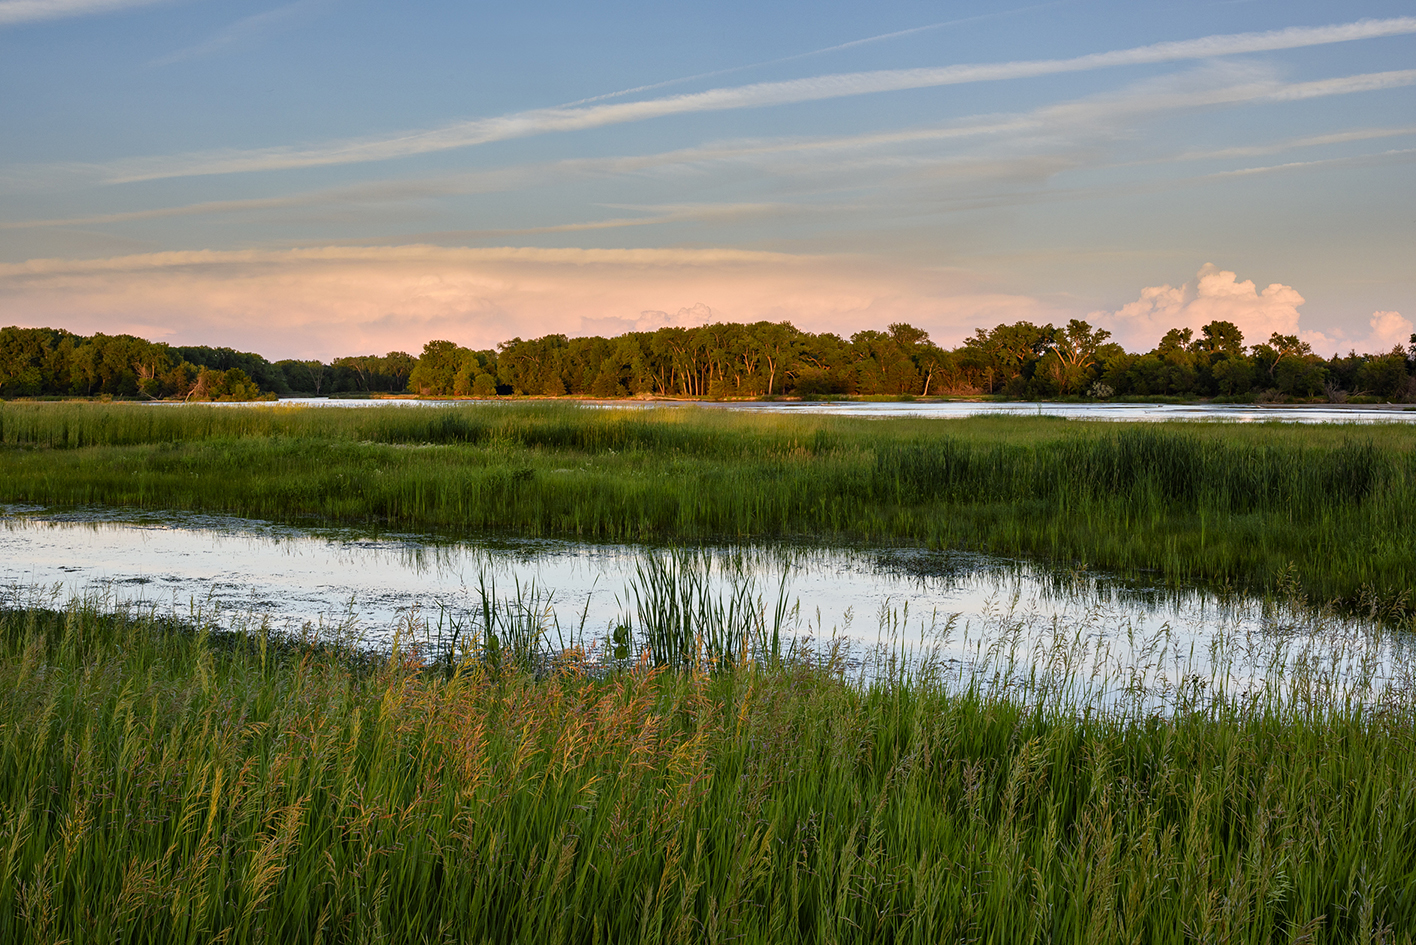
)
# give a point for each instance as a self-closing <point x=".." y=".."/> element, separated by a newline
<point x="1218" y="295"/>
<point x="1215" y="295"/>
<point x="337" y="300"/>
<point x="562" y="119"/>
<point x="1387" y="330"/>
<point x="1390" y="329"/>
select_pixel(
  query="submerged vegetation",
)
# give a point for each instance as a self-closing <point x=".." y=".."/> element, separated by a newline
<point x="1332" y="509"/>
<point x="166" y="782"/>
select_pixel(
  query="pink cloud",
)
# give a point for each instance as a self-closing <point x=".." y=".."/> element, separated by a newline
<point x="1215" y="295"/>
<point x="1389" y="329"/>
<point x="331" y="301"/>
<point x="1218" y="295"/>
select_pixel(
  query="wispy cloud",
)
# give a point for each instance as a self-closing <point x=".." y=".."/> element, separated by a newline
<point x="1395" y="156"/>
<point x="1079" y="120"/>
<point x="1293" y="144"/>
<point x="839" y="47"/>
<point x="1016" y="197"/>
<point x="243" y="30"/>
<point x="563" y="119"/>
<point x="14" y="12"/>
<point x="654" y="216"/>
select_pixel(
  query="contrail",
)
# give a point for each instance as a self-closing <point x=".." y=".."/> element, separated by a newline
<point x="560" y="119"/>
<point x="30" y="11"/>
<point x="1046" y="117"/>
<point x="814" y="52"/>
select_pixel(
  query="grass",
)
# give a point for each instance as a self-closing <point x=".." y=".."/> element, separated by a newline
<point x="162" y="781"/>
<point x="1225" y="505"/>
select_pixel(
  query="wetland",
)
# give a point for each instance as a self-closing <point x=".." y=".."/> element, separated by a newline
<point x="541" y="672"/>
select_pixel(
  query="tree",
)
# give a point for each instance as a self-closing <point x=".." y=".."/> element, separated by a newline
<point x="1286" y="346"/>
<point x="1012" y="351"/>
<point x="229" y="385"/>
<point x="1221" y="338"/>
<point x="1233" y="375"/>
<point x="436" y="371"/>
<point x="1385" y="375"/>
<point x="607" y="381"/>
<point x="777" y="347"/>
<point x="1299" y="376"/>
<point x="1075" y="348"/>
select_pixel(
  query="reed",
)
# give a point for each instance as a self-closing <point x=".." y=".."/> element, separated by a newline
<point x="1224" y="505"/>
<point x="163" y="781"/>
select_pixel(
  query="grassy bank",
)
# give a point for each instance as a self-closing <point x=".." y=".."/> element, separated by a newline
<point x="165" y="784"/>
<point x="1333" y="508"/>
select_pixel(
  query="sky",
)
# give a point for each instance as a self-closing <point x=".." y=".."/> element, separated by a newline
<point x="333" y="177"/>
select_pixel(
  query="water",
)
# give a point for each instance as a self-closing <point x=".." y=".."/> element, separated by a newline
<point x="963" y="612"/>
<point x="1233" y="413"/>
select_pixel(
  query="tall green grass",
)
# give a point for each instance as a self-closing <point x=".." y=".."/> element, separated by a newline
<point x="1230" y="505"/>
<point x="164" y="782"/>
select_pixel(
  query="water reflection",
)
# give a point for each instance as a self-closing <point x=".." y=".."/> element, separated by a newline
<point x="1233" y="413"/>
<point x="957" y="613"/>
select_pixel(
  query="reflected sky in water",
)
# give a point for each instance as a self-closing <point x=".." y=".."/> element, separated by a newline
<point x="1233" y="413"/>
<point x="967" y="611"/>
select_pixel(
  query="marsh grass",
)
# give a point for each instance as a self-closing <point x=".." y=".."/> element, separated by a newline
<point x="1244" y="507"/>
<point x="692" y="607"/>
<point x="164" y="781"/>
<point x="685" y="619"/>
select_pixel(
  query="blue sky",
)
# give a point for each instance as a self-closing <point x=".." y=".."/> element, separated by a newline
<point x="327" y="177"/>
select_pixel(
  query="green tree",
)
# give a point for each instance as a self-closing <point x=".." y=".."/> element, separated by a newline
<point x="436" y="371"/>
<point x="1384" y="375"/>
<point x="1074" y="353"/>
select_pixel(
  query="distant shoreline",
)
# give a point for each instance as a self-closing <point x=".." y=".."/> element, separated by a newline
<point x="651" y="400"/>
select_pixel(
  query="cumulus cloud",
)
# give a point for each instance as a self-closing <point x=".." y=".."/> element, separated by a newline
<point x="1215" y="295"/>
<point x="330" y="301"/>
<point x="1218" y="295"/>
<point x="1389" y="329"/>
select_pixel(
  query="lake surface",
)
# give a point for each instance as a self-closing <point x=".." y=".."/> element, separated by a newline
<point x="1243" y="413"/>
<point x="964" y="611"/>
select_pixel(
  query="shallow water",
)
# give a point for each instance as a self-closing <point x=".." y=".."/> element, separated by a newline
<point x="1241" y="413"/>
<point x="971" y="613"/>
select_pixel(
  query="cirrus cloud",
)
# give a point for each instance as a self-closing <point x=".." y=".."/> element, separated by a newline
<point x="481" y="131"/>
<point x="13" y="12"/>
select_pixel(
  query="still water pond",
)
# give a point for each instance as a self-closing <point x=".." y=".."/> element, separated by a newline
<point x="965" y="611"/>
<point x="1233" y="413"/>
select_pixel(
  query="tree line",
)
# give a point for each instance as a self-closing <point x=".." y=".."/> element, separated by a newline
<point x="729" y="360"/>
<point x="1019" y="361"/>
<point x="53" y="362"/>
